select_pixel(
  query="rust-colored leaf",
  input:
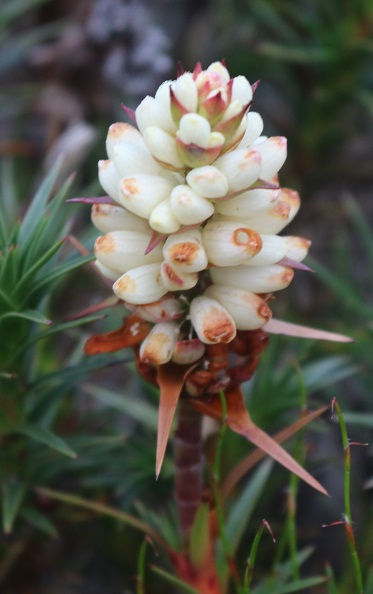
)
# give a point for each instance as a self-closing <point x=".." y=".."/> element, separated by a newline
<point x="131" y="333"/>
<point x="238" y="419"/>
<point x="171" y="378"/>
<point x="249" y="461"/>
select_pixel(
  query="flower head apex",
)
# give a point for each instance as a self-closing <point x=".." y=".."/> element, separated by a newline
<point x="191" y="236"/>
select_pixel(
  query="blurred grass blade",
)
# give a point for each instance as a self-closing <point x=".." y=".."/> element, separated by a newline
<point x="171" y="579"/>
<point x="38" y="520"/>
<point x="12" y="495"/>
<point x="46" y="437"/>
<point x="296" y="586"/>
<point x="33" y="316"/>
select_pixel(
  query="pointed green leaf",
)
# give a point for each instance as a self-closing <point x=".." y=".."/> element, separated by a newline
<point x="46" y="437"/>
<point x="32" y="315"/>
<point x="296" y="586"/>
<point x="171" y="579"/>
<point x="38" y="520"/>
<point x="12" y="495"/>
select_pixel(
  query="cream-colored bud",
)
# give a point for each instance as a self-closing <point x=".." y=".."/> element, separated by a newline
<point x="109" y="178"/>
<point x="177" y="280"/>
<point x="185" y="90"/>
<point x="233" y="109"/>
<point x="189" y="207"/>
<point x="158" y="346"/>
<point x="241" y="90"/>
<point x="141" y="285"/>
<point x="211" y="321"/>
<point x="141" y="193"/>
<point x="109" y="273"/>
<point x="151" y="112"/>
<point x="185" y="251"/>
<point x="241" y="167"/>
<point x="122" y="250"/>
<point x="272" y="221"/>
<point x="122" y="132"/>
<point x="220" y="69"/>
<point x="274" y="248"/>
<point x="298" y="247"/>
<point x="130" y="159"/>
<point x="188" y="351"/>
<point x="230" y="243"/>
<point x="208" y="181"/>
<point x="166" y="309"/>
<point x="254" y="128"/>
<point x="248" y="204"/>
<point x="273" y="153"/>
<point x="291" y="198"/>
<point x="194" y="129"/>
<point x="163" y="147"/>
<point x="112" y="217"/>
<point x="263" y="279"/>
<point x="249" y="311"/>
<point x="162" y="218"/>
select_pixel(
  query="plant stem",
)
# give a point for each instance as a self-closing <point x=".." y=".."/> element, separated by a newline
<point x="188" y="466"/>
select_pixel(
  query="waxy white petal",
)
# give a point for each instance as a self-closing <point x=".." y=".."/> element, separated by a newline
<point x="274" y="248"/>
<point x="194" y="129"/>
<point x="241" y="167"/>
<point x="158" y="346"/>
<point x="298" y="247"/>
<point x="177" y="280"/>
<point x="162" y="218"/>
<point x="208" y="181"/>
<point x="109" y="178"/>
<point x="109" y="273"/>
<point x="122" y="132"/>
<point x="141" y="285"/>
<point x="272" y="221"/>
<point x="273" y="152"/>
<point x="166" y="309"/>
<point x="211" y="321"/>
<point x="130" y="159"/>
<point x="254" y="128"/>
<point x="241" y="90"/>
<point x="249" y="311"/>
<point x="185" y="90"/>
<point x="263" y="279"/>
<point x="221" y="70"/>
<point x="230" y="243"/>
<point x="185" y="251"/>
<point x="110" y="217"/>
<point x="141" y="193"/>
<point x="188" y="207"/>
<point x="163" y="147"/>
<point x="248" y="203"/>
<point x="122" y="250"/>
<point x="151" y="112"/>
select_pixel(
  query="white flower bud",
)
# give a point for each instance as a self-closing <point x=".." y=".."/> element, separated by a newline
<point x="165" y="310"/>
<point x="188" y="207"/>
<point x="248" y="204"/>
<point x="230" y="243"/>
<point x="162" y="218"/>
<point x="151" y="112"/>
<point x="274" y="248"/>
<point x="188" y="351"/>
<point x="158" y="346"/>
<point x="208" y="181"/>
<point x="211" y="321"/>
<point x="233" y="109"/>
<point x="186" y="91"/>
<point x="241" y="90"/>
<point x="141" y="285"/>
<point x="176" y="280"/>
<point x="254" y="128"/>
<point x="141" y="193"/>
<point x="249" y="311"/>
<point x="273" y="153"/>
<point x="219" y="69"/>
<point x="122" y="250"/>
<point x="122" y="132"/>
<point x="194" y="129"/>
<point x="109" y="178"/>
<point x="163" y="147"/>
<point x="108" y="272"/>
<point x="130" y="159"/>
<point x="185" y="251"/>
<point x="297" y="247"/>
<point x="264" y="279"/>
<point x="110" y="217"/>
<point x="272" y="221"/>
<point x="241" y="167"/>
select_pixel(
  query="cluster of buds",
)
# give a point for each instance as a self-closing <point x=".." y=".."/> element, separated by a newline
<point x="190" y="232"/>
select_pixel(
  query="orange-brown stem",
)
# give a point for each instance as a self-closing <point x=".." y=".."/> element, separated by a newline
<point x="188" y="455"/>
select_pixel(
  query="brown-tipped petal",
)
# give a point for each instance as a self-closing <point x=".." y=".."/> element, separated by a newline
<point x="122" y="250"/>
<point x="175" y="280"/>
<point x="241" y="167"/>
<point x="185" y="251"/>
<point x="274" y="249"/>
<point x="158" y="346"/>
<point x="109" y="178"/>
<point x="189" y="207"/>
<point x="110" y="217"/>
<point x="211" y="321"/>
<point x="273" y="153"/>
<point x="122" y="132"/>
<point x="141" y="193"/>
<point x="208" y="181"/>
<point x="248" y="204"/>
<point x="188" y="351"/>
<point x="257" y="280"/>
<point x="167" y="309"/>
<point x="292" y="199"/>
<point x="230" y="243"/>
<point x="141" y="285"/>
<point x="298" y="247"/>
<point x="272" y="221"/>
<point x="247" y="309"/>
